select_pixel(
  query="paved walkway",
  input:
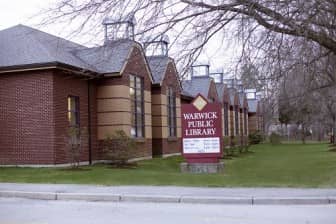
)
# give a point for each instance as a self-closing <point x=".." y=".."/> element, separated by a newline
<point x="169" y="194"/>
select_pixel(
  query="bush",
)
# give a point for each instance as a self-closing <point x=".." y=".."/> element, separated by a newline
<point x="119" y="148"/>
<point x="275" y="138"/>
<point x="255" y="138"/>
<point x="226" y="141"/>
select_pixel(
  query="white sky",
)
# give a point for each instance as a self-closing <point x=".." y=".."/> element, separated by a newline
<point x="13" y="12"/>
<point x="26" y="12"/>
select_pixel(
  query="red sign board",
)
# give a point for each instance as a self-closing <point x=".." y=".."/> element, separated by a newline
<point x="201" y="131"/>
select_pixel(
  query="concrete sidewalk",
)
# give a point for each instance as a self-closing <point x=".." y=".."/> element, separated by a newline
<point x="160" y="194"/>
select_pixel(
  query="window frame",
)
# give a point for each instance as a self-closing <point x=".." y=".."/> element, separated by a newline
<point x="76" y="111"/>
<point x="226" y="119"/>
<point x="137" y="101"/>
<point x="237" y="120"/>
<point x="171" y="113"/>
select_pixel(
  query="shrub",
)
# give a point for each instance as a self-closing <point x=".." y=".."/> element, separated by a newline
<point x="226" y="145"/>
<point x="226" y="141"/>
<point x="119" y="148"/>
<point x="275" y="138"/>
<point x="255" y="138"/>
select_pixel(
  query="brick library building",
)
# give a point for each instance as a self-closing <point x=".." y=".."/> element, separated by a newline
<point x="49" y="84"/>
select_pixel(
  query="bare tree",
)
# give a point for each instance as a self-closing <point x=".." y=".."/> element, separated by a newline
<point x="278" y="37"/>
<point x="194" y="23"/>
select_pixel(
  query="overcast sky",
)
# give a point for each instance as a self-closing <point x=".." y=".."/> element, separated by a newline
<point x="13" y="12"/>
<point x="26" y="12"/>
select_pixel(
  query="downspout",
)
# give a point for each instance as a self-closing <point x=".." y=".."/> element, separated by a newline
<point x="89" y="123"/>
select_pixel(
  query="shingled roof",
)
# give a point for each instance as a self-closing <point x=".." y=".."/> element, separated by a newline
<point x="158" y="66"/>
<point x="109" y="58"/>
<point x="232" y="94"/>
<point x="220" y="89"/>
<point x="197" y="85"/>
<point x="22" y="45"/>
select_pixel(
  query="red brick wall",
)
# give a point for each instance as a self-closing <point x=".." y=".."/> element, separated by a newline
<point x="33" y="117"/>
<point x="212" y="94"/>
<point x="63" y="86"/>
<point x="26" y="118"/>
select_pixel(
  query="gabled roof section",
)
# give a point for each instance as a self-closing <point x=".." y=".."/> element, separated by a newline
<point x="109" y="58"/>
<point x="220" y="90"/>
<point x="158" y="65"/>
<point x="233" y="96"/>
<point x="23" y="45"/>
<point x="252" y="105"/>
<point x="197" y="85"/>
<point x="223" y="93"/>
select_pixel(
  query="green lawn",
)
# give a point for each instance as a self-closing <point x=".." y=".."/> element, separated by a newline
<point x="286" y="165"/>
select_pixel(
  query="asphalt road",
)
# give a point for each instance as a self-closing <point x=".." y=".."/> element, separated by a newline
<point x="25" y="211"/>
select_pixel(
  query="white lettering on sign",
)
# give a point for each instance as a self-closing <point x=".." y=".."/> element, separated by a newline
<point x="200" y="116"/>
<point x="201" y="145"/>
<point x="200" y="132"/>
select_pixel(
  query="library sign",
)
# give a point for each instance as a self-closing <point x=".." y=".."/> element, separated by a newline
<point x="201" y="131"/>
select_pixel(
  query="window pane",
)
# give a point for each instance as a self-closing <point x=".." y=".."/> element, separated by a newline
<point x="73" y="110"/>
<point x="138" y="94"/>
<point x="137" y="107"/>
<point x="171" y="112"/>
<point x="139" y="119"/>
<point x="139" y="130"/>
<point x="133" y="132"/>
<point x="132" y="92"/>
<point x="132" y="84"/>
<point x="138" y="82"/>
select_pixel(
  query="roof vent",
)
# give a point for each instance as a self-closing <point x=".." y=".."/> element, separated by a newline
<point x="200" y="70"/>
<point x="235" y="83"/>
<point x="229" y="82"/>
<point x="251" y="94"/>
<point x="119" y="28"/>
<point x="157" y="47"/>
<point x="217" y="77"/>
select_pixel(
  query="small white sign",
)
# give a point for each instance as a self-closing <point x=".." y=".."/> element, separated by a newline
<point x="201" y="145"/>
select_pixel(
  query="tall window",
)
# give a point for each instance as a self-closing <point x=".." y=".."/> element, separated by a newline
<point x="226" y="119"/>
<point x="171" y="111"/>
<point x="137" y="106"/>
<point x="73" y="111"/>
<point x="237" y="120"/>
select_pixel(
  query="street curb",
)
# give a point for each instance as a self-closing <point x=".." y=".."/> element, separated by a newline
<point x="29" y="195"/>
<point x="61" y="196"/>
<point x="88" y="197"/>
<point x="151" y="198"/>
<point x="292" y="201"/>
<point x="216" y="200"/>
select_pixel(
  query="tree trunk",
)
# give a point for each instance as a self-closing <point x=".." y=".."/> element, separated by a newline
<point x="334" y="132"/>
<point x="303" y="136"/>
<point x="319" y="133"/>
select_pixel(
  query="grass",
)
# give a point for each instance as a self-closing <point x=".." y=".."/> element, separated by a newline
<point x="285" y="165"/>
